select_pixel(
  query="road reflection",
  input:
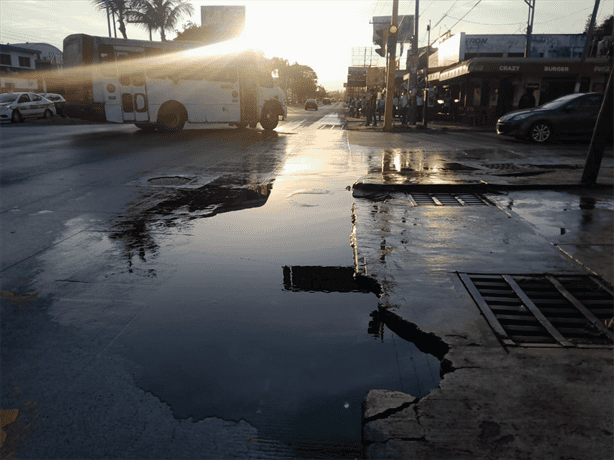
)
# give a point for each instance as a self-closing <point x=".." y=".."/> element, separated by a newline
<point x="400" y="166"/>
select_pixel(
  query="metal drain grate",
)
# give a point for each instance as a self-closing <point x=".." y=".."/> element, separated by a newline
<point x="170" y="180"/>
<point x="447" y="199"/>
<point x="545" y="310"/>
<point x="329" y="126"/>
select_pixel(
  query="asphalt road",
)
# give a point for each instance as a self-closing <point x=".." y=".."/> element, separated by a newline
<point x="191" y="295"/>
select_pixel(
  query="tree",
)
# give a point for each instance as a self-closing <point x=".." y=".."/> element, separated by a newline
<point x="601" y="32"/>
<point x="207" y="35"/>
<point x="121" y="8"/>
<point x="161" y="15"/>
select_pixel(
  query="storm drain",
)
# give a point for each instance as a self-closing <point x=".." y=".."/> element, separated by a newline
<point x="447" y="199"/>
<point x="170" y="180"/>
<point x="330" y="127"/>
<point x="545" y="310"/>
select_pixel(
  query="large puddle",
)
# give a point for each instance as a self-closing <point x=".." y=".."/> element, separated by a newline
<point x="261" y="319"/>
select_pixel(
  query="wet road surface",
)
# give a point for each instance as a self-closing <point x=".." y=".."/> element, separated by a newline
<point x="191" y="296"/>
<point x="209" y="289"/>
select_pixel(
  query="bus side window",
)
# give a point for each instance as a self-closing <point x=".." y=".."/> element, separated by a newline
<point x="226" y="74"/>
<point x="265" y="80"/>
<point x="107" y="53"/>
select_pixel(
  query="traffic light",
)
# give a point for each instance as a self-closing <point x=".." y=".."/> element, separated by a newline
<point x="380" y="40"/>
<point x="392" y="39"/>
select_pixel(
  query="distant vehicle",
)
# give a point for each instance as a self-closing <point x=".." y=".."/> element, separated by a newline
<point x="311" y="104"/>
<point x="163" y="85"/>
<point x="58" y="101"/>
<point x="326" y="101"/>
<point x="16" y="107"/>
<point x="573" y="114"/>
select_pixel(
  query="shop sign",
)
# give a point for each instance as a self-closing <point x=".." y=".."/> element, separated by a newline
<point x="556" y="69"/>
<point x="509" y="68"/>
<point x="357" y="71"/>
<point x="602" y="69"/>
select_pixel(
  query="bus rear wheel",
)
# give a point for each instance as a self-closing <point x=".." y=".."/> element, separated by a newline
<point x="269" y="119"/>
<point x="172" y="117"/>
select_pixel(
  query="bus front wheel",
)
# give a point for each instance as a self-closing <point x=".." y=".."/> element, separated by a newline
<point x="172" y="117"/>
<point x="269" y="119"/>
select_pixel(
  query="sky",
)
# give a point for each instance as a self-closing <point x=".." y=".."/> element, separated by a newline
<point x="317" y="33"/>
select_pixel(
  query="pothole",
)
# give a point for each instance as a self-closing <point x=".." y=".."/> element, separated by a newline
<point x="170" y="180"/>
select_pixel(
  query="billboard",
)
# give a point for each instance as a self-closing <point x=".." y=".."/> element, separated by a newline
<point x="223" y="17"/>
<point x="405" y="23"/>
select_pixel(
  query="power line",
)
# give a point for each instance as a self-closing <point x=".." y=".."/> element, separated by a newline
<point x="476" y="4"/>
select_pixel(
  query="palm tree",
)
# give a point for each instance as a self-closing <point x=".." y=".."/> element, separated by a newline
<point x="162" y="15"/>
<point x="120" y="8"/>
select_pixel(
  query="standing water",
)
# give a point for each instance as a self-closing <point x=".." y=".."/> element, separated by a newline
<point x="258" y="317"/>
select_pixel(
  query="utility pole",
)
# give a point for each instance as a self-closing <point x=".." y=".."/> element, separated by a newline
<point x="426" y="76"/>
<point x="531" y="3"/>
<point x="603" y="127"/>
<point x="392" y="72"/>
<point x="108" y="17"/>
<point x="589" y="39"/>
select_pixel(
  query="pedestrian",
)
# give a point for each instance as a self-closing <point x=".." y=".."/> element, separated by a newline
<point x="371" y="100"/>
<point x="395" y="106"/>
<point x="381" y="105"/>
<point x="404" y="107"/>
<point x="527" y="101"/>
<point x="419" y="106"/>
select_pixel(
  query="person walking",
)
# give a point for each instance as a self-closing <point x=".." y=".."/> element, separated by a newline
<point x="371" y="100"/>
<point x="395" y="106"/>
<point x="381" y="105"/>
<point x="419" y="105"/>
<point x="404" y="107"/>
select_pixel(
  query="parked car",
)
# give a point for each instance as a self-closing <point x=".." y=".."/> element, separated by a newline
<point x="58" y="101"/>
<point x="16" y="107"/>
<point x="311" y="104"/>
<point x="573" y="114"/>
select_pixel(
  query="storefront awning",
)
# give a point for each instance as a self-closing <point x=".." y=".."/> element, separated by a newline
<point x="499" y="67"/>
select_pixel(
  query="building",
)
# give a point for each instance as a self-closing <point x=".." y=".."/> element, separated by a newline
<point x="478" y="78"/>
<point x="17" y="67"/>
<point x="49" y="57"/>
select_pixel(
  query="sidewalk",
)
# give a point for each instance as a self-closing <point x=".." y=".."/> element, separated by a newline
<point x="446" y="271"/>
<point x="358" y="124"/>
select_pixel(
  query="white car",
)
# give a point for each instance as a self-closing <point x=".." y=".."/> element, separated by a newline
<point x="16" y="107"/>
<point x="58" y="101"/>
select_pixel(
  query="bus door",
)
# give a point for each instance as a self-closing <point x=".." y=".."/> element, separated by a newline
<point x="109" y="84"/>
<point x="248" y="87"/>
<point x="133" y="95"/>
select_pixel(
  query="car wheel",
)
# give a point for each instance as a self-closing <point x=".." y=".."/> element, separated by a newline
<point x="269" y="119"/>
<point x="540" y="132"/>
<point x="16" y="117"/>
<point x="48" y="115"/>
<point x="241" y="125"/>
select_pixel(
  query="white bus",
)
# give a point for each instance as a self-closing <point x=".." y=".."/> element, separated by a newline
<point x="163" y="85"/>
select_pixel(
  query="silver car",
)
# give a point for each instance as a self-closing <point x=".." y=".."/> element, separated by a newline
<point x="16" y="107"/>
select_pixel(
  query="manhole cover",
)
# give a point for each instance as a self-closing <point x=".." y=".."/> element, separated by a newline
<point x="447" y="199"/>
<point x="545" y="310"/>
<point x="170" y="180"/>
